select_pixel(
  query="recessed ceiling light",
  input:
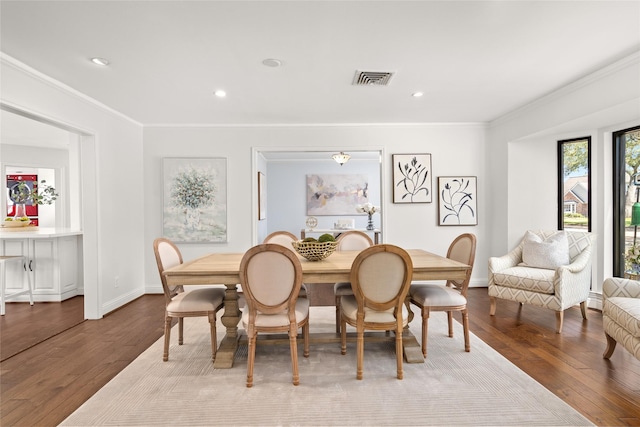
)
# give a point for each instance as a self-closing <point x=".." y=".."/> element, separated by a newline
<point x="220" y="93"/>
<point x="270" y="62"/>
<point x="100" y="61"/>
<point x="417" y="94"/>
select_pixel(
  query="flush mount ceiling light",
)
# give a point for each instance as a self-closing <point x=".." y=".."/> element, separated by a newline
<point x="341" y="158"/>
<point x="271" y="62"/>
<point x="220" y="93"/>
<point x="417" y="94"/>
<point x="100" y="61"/>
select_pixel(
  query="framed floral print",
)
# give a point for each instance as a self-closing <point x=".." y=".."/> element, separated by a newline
<point x="412" y="178"/>
<point x="457" y="200"/>
<point x="194" y="206"/>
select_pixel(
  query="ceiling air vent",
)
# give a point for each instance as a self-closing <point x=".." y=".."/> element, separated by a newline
<point x="368" y="78"/>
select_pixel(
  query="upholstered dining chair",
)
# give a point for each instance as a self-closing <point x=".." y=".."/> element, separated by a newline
<point x="380" y="278"/>
<point x="181" y="303"/>
<point x="271" y="277"/>
<point x="284" y="238"/>
<point x="450" y="297"/>
<point x="352" y="240"/>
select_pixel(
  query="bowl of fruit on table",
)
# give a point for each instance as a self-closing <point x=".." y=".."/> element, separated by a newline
<point x="315" y="250"/>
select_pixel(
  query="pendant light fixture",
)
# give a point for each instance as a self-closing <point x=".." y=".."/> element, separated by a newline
<point x="341" y="158"/>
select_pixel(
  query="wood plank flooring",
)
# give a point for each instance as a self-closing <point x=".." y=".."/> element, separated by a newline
<point x="45" y="383"/>
<point x="44" y="319"/>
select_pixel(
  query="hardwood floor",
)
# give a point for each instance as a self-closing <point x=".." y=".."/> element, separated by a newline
<point x="45" y="383"/>
<point x="44" y="319"/>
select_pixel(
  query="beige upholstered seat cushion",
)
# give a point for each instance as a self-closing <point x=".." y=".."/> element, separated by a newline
<point x="349" y="307"/>
<point x="207" y="299"/>
<point x="436" y="296"/>
<point x="343" y="288"/>
<point x="280" y="319"/>
<point x="526" y="278"/>
<point x="625" y="312"/>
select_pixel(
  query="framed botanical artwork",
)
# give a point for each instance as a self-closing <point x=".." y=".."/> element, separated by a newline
<point x="194" y="205"/>
<point x="457" y="200"/>
<point x="336" y="194"/>
<point x="262" y="196"/>
<point x="412" y="178"/>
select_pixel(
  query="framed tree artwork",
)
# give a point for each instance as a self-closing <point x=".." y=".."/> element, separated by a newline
<point x="412" y="178"/>
<point x="194" y="199"/>
<point x="457" y="200"/>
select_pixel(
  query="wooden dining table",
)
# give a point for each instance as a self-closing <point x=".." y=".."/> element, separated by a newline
<point x="224" y="269"/>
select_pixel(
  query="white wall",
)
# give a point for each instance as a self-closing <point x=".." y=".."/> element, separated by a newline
<point x="112" y="182"/>
<point x="522" y="159"/>
<point x="456" y="149"/>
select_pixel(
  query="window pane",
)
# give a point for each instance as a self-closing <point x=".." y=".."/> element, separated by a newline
<point x="631" y="141"/>
<point x="574" y="175"/>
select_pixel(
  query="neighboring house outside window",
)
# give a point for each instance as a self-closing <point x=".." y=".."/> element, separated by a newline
<point x="576" y="195"/>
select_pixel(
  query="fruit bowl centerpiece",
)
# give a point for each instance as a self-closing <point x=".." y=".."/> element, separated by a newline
<point x="315" y="250"/>
<point x="14" y="223"/>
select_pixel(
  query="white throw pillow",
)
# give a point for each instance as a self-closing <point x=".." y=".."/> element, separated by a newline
<point x="550" y="253"/>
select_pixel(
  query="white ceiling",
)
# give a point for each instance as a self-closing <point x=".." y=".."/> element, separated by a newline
<point x="475" y="61"/>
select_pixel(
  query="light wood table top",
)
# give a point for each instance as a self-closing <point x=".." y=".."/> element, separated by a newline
<point x="224" y="268"/>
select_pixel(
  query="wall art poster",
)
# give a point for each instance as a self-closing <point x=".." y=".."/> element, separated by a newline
<point x="412" y="178"/>
<point x="195" y="199"/>
<point x="457" y="200"/>
<point x="336" y="194"/>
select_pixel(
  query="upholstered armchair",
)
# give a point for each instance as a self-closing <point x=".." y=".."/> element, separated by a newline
<point x="546" y="280"/>
<point x="621" y="315"/>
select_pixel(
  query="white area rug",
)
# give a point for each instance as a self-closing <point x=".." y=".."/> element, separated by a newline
<point x="451" y="388"/>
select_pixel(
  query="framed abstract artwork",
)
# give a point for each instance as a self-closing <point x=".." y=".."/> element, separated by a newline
<point x="262" y="196"/>
<point x="194" y="205"/>
<point x="412" y="178"/>
<point x="457" y="200"/>
<point x="336" y="194"/>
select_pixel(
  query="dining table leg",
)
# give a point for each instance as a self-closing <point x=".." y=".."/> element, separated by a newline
<point x="230" y="319"/>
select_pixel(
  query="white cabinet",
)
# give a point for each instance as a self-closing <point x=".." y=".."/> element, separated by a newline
<point x="52" y="263"/>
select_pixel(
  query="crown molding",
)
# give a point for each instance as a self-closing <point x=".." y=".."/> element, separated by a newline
<point x="481" y="125"/>
<point x="20" y="66"/>
<point x="616" y="66"/>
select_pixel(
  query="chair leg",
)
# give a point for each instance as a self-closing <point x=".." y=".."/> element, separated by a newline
<point x="214" y="338"/>
<point x="399" y="354"/>
<point x="305" y="339"/>
<point x="251" y="356"/>
<point x="425" y="327"/>
<point x="343" y="336"/>
<point x="180" y="330"/>
<point x="583" y="309"/>
<point x="559" y="319"/>
<point x="167" y="337"/>
<point x="611" y="345"/>
<point x="293" y="334"/>
<point x="492" y="308"/>
<point x="450" y="320"/>
<point x="360" y="352"/>
<point x="338" y="314"/>
<point x="465" y="327"/>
